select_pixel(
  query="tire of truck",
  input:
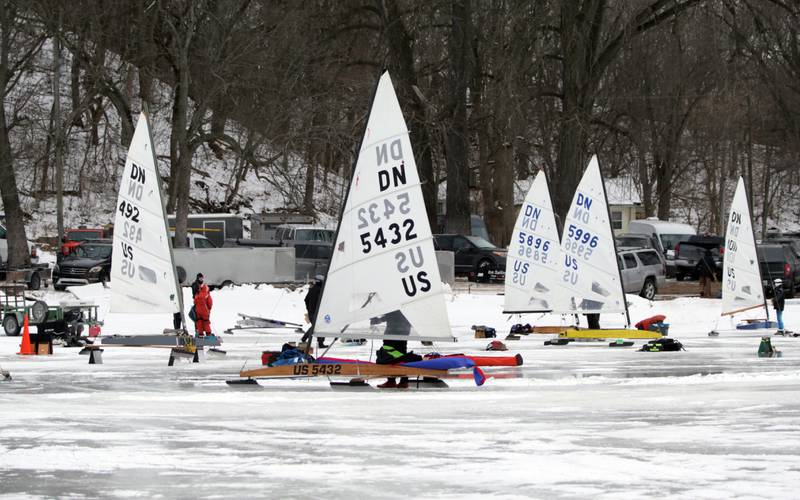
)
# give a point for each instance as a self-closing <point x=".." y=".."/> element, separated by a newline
<point x="181" y="274"/>
<point x="11" y="325"/>
<point x="36" y="281"/>
<point x="649" y="289"/>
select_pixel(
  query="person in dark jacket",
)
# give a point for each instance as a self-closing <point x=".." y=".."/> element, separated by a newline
<point x="395" y="351"/>
<point x="778" y="302"/>
<point x="197" y="283"/>
<point x="593" y="320"/>
<point x="706" y="270"/>
<point x="312" y="303"/>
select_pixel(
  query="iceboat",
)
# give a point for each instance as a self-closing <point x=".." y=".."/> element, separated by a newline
<point x="589" y="269"/>
<point x="533" y="281"/>
<point x="143" y="276"/>
<point x="383" y="279"/>
<point x="742" y="290"/>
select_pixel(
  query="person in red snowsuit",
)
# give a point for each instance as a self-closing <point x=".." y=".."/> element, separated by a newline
<point x="202" y="310"/>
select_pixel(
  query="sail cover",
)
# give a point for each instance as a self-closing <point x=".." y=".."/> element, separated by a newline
<point x="533" y="277"/>
<point x="142" y="273"/>
<point x="742" y="288"/>
<point x="383" y="280"/>
<point x="589" y="262"/>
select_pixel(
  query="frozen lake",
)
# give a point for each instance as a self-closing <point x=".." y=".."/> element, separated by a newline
<point x="576" y="421"/>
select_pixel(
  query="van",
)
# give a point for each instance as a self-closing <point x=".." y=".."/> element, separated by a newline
<point x="665" y="234"/>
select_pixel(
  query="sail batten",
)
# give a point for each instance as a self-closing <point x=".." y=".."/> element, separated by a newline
<point x="741" y="287"/>
<point x="383" y="279"/>
<point x="142" y="273"/>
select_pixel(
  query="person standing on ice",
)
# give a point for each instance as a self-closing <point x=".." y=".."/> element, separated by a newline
<point x="707" y="274"/>
<point x="778" y="302"/>
<point x="202" y="311"/>
<point x="312" y="302"/>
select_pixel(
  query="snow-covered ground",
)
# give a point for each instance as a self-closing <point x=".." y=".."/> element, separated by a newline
<point x="579" y="421"/>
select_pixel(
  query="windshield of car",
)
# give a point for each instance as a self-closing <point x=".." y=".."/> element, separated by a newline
<point x="668" y="241"/>
<point x="480" y="243"/>
<point x="93" y="251"/>
<point x="771" y="253"/>
<point x="313" y="235"/>
<point x="83" y="235"/>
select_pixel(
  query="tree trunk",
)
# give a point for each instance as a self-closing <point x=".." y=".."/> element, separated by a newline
<point x="58" y="132"/>
<point x="458" y="209"/>
<point x="401" y="64"/>
<point x="15" y="224"/>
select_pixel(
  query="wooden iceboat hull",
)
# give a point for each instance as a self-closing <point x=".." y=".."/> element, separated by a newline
<point x="358" y="370"/>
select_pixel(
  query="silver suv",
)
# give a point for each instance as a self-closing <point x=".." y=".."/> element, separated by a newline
<point x="643" y="271"/>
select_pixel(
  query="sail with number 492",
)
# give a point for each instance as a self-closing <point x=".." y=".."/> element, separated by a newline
<point x="383" y="280"/>
<point x="143" y="278"/>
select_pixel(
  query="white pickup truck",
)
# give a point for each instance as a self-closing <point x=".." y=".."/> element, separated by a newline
<point x="232" y="265"/>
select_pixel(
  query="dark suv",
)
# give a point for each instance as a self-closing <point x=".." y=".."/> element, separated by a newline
<point x="473" y="256"/>
<point x="778" y="261"/>
<point x="90" y="262"/>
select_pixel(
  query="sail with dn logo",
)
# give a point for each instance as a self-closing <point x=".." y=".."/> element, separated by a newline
<point x="741" y="280"/>
<point x="589" y="268"/>
<point x="383" y="280"/>
<point x="142" y="273"/>
<point x="533" y="281"/>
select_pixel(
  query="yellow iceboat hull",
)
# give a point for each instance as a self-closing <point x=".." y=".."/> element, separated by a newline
<point x="608" y="333"/>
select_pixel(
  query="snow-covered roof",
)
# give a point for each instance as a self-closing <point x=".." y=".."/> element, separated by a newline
<point x="622" y="191"/>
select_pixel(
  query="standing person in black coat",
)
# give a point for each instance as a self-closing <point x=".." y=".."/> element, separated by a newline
<point x="312" y="303"/>
<point x="778" y="302"/>
<point x="707" y="268"/>
<point x="197" y="283"/>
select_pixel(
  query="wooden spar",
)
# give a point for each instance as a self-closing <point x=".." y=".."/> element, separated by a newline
<point x="550" y="329"/>
<point x="363" y="370"/>
<point x="731" y="313"/>
<point x="609" y="333"/>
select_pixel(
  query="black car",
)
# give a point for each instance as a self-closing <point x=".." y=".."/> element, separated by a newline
<point x="778" y="261"/>
<point x="474" y="256"/>
<point x="90" y="262"/>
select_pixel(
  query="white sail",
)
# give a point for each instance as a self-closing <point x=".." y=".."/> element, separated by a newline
<point x="742" y="288"/>
<point x="383" y="280"/>
<point x="142" y="273"/>
<point x="589" y="263"/>
<point x="533" y="278"/>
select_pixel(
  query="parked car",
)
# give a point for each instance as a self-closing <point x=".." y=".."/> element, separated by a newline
<point x="643" y="271"/>
<point x="303" y="233"/>
<point x="90" y="262"/>
<point x="792" y="242"/>
<point x="778" y="261"/>
<point x="689" y="253"/>
<point x="634" y="241"/>
<point x="473" y="256"/>
<point x="33" y="249"/>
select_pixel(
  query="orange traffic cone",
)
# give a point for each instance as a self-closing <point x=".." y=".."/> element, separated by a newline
<point x="26" y="348"/>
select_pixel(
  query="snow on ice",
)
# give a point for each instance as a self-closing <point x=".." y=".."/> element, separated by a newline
<point x="579" y="421"/>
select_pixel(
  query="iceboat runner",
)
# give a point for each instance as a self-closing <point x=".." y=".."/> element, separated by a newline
<point x="742" y="289"/>
<point x="383" y="278"/>
<point x="143" y="276"/>
<point x="589" y="265"/>
<point x="533" y="281"/>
